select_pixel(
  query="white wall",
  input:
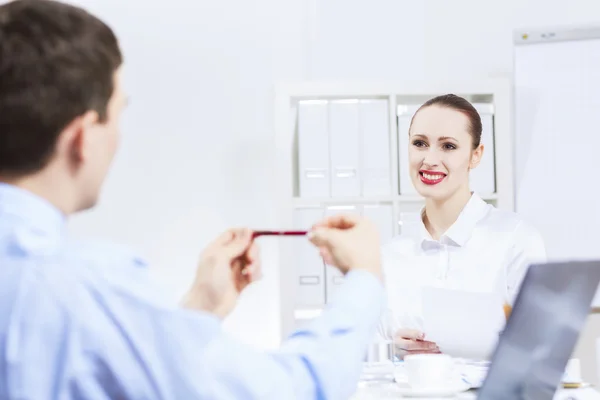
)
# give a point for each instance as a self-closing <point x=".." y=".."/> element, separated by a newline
<point x="196" y="153"/>
<point x="388" y="39"/>
<point x="197" y="139"/>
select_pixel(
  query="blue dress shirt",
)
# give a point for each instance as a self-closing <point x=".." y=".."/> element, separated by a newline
<point x="81" y="321"/>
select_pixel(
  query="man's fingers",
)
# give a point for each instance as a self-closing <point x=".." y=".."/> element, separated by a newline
<point x="239" y="243"/>
<point x="239" y="280"/>
<point x="253" y="269"/>
<point x="341" y="221"/>
<point x="322" y="237"/>
<point x="223" y="239"/>
<point x="252" y="255"/>
<point x="243" y="276"/>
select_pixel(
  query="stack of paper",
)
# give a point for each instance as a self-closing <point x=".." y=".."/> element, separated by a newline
<point x="463" y="324"/>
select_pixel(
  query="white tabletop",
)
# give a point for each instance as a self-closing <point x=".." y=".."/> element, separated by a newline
<point x="378" y="383"/>
<point x="385" y="391"/>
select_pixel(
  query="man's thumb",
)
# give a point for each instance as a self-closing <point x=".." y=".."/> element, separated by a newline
<point x="323" y="237"/>
<point x="239" y="245"/>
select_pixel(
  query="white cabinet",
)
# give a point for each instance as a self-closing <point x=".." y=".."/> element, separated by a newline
<point x="342" y="151"/>
<point x="318" y="282"/>
<point x="309" y="266"/>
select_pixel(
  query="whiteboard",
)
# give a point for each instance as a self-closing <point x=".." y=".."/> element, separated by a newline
<point x="557" y="144"/>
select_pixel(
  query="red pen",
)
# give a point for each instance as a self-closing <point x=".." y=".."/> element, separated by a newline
<point x="278" y="233"/>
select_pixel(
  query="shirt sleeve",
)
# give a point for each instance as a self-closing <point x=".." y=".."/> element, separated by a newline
<point x="528" y="248"/>
<point x="149" y="353"/>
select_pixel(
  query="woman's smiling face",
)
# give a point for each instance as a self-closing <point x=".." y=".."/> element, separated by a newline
<point x="441" y="152"/>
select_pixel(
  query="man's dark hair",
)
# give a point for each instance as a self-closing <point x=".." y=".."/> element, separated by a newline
<point x="56" y="63"/>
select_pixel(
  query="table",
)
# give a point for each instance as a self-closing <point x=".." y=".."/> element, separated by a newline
<point x="384" y="391"/>
<point x="377" y="382"/>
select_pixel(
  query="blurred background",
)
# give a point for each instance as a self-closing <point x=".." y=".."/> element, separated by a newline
<point x="198" y="138"/>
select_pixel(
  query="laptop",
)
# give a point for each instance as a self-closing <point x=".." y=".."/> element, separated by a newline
<point x="542" y="331"/>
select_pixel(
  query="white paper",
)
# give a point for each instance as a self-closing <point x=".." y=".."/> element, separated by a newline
<point x="463" y="324"/>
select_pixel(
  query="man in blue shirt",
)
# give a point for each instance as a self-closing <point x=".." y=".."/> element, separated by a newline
<point x="81" y="321"/>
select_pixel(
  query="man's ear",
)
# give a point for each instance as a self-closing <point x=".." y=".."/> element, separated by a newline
<point x="476" y="156"/>
<point x="74" y="139"/>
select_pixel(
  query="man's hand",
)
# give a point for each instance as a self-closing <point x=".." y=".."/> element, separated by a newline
<point x="412" y="341"/>
<point x="226" y="267"/>
<point x="348" y="242"/>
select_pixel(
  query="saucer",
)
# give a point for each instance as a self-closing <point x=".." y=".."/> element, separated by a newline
<point x="450" y="391"/>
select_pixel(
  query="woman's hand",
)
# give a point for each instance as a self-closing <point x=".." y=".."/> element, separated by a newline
<point x="412" y="341"/>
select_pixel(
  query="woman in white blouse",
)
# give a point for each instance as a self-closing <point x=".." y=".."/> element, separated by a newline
<point x="459" y="241"/>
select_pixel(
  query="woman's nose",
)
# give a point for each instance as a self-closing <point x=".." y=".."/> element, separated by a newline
<point x="432" y="158"/>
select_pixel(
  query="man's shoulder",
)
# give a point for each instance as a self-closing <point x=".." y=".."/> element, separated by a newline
<point x="119" y="269"/>
<point x="77" y="269"/>
<point x="103" y="252"/>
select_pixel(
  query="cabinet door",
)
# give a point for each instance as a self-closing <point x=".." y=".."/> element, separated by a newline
<point x="309" y="266"/>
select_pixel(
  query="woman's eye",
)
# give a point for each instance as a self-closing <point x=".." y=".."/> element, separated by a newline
<point x="449" y="146"/>
<point x="419" y="143"/>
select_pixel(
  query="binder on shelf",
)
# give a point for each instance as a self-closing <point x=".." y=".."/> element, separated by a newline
<point x="313" y="148"/>
<point x="344" y="136"/>
<point x="309" y="266"/>
<point x="375" y="146"/>
<point x="483" y="178"/>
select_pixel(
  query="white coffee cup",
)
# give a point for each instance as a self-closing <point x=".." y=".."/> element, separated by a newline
<point x="572" y="371"/>
<point x="429" y="371"/>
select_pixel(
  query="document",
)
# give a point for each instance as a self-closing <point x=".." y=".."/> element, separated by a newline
<point x="463" y="324"/>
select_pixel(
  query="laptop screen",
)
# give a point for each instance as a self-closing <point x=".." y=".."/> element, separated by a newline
<point x="542" y="331"/>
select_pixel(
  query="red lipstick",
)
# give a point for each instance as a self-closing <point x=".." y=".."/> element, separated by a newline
<point x="431" y="177"/>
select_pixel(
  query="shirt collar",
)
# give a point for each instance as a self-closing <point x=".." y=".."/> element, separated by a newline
<point x="31" y="209"/>
<point x="460" y="232"/>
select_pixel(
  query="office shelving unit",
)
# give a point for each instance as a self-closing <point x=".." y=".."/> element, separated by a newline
<point x="400" y="96"/>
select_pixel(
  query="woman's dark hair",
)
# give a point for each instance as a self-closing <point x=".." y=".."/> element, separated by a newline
<point x="462" y="105"/>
